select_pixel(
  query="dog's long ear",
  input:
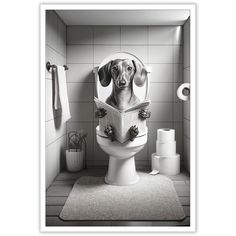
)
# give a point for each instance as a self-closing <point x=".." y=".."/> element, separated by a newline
<point x="140" y="75"/>
<point x="104" y="74"/>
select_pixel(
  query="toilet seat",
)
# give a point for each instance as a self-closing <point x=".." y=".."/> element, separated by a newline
<point x="100" y="133"/>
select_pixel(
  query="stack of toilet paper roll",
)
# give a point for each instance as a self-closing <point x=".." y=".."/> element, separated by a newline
<point x="166" y="160"/>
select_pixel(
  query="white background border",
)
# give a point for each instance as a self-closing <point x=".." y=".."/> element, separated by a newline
<point x="192" y="227"/>
<point x="19" y="119"/>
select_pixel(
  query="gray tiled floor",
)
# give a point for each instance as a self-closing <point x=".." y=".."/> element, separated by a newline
<point x="60" y="189"/>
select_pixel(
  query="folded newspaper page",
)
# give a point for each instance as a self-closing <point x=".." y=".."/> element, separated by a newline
<point x="121" y="121"/>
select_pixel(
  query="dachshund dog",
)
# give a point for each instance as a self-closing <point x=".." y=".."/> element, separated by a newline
<point x="122" y="72"/>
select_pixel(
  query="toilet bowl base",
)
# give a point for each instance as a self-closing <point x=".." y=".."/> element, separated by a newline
<point x="121" y="171"/>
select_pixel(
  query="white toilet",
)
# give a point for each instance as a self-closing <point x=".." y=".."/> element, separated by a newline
<point x="121" y="168"/>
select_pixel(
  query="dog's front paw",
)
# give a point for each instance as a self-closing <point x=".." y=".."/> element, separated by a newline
<point x="109" y="131"/>
<point x="144" y="114"/>
<point x="133" y="132"/>
<point x="100" y="113"/>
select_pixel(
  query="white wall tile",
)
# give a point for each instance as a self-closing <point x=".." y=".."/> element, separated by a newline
<point x="107" y="35"/>
<point x="161" y="112"/>
<point x="187" y="75"/>
<point x="141" y="164"/>
<point x="61" y="60"/>
<point x="79" y="35"/>
<point x="143" y="154"/>
<point x="79" y="54"/>
<point x="54" y="159"/>
<point x="102" y="51"/>
<point x="161" y="73"/>
<point x="80" y="73"/>
<point x="134" y="34"/>
<point x="160" y="54"/>
<point x="62" y="149"/>
<point x="178" y="111"/>
<point x="187" y="128"/>
<point x="61" y="45"/>
<point x="81" y="111"/>
<point x="161" y="35"/>
<point x="80" y="92"/>
<point x="51" y="28"/>
<point x="51" y="56"/>
<point x="177" y="35"/>
<point x="85" y="128"/>
<point x="99" y="154"/>
<point x="136" y="50"/>
<point x="187" y="153"/>
<point x="178" y="73"/>
<point x="187" y="110"/>
<point x="179" y="138"/>
<point x="48" y="100"/>
<point x="54" y="130"/>
<point x="52" y="162"/>
<point x="161" y="92"/>
<point x="55" y="138"/>
<point x="187" y="44"/>
<point x="152" y="135"/>
<point x="178" y="54"/>
<point x="96" y="163"/>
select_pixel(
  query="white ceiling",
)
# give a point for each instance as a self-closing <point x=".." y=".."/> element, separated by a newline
<point x="123" y="17"/>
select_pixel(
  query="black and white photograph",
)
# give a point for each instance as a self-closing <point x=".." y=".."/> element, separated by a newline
<point x="119" y="117"/>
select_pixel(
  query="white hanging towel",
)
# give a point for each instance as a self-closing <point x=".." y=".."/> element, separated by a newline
<point x="60" y="92"/>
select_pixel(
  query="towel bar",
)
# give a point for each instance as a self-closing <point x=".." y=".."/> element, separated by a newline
<point x="49" y="66"/>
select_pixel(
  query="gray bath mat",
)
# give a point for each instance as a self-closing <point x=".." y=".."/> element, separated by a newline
<point x="152" y="198"/>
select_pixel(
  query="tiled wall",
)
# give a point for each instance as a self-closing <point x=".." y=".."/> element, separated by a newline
<point x="187" y="104"/>
<point x="55" y="129"/>
<point x="159" y="47"/>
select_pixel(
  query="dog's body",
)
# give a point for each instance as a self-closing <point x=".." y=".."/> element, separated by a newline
<point x="122" y="72"/>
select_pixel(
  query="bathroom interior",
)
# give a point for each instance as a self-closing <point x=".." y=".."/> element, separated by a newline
<point x="80" y="40"/>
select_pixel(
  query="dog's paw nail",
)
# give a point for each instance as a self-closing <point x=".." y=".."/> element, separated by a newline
<point x="100" y="113"/>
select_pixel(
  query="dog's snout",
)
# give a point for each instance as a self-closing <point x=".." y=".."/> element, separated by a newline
<point x="122" y="82"/>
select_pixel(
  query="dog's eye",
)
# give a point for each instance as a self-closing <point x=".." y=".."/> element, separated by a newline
<point x="129" y="68"/>
<point x="114" y="68"/>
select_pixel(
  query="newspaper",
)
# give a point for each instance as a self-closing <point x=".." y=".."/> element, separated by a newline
<point x="121" y="121"/>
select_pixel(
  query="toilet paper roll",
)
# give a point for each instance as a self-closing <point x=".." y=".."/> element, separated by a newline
<point x="183" y="92"/>
<point x="165" y="135"/>
<point x="166" y="149"/>
<point x="166" y="165"/>
<point x="169" y="165"/>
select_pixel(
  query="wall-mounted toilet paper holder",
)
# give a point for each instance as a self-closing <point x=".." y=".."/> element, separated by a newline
<point x="183" y="91"/>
